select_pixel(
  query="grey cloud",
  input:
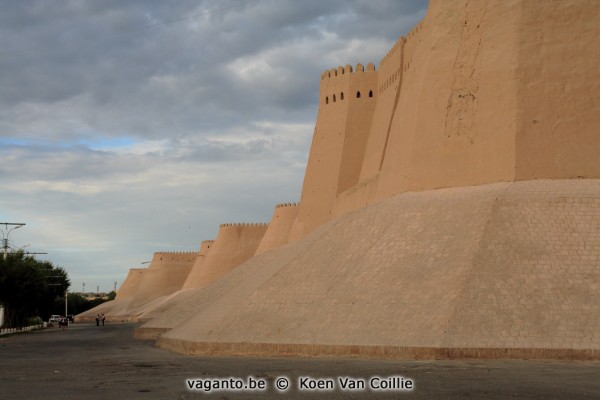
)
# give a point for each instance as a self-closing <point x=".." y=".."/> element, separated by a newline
<point x="218" y="97"/>
<point x="73" y="163"/>
<point x="112" y="52"/>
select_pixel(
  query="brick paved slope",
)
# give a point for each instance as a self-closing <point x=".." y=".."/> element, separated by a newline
<point x="508" y="265"/>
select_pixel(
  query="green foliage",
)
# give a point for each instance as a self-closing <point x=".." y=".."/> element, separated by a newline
<point x="97" y="301"/>
<point x="76" y="304"/>
<point x="28" y="287"/>
<point x="34" y="321"/>
<point x="112" y="295"/>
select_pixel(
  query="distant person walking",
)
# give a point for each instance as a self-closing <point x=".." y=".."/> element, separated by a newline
<point x="97" y="319"/>
<point x="103" y="318"/>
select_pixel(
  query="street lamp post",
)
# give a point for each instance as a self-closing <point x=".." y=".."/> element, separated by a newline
<point x="5" y="235"/>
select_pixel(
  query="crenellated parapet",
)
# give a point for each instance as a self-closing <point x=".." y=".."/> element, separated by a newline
<point x="177" y="256"/>
<point x="287" y="205"/>
<point x="171" y="253"/>
<point x="398" y="46"/>
<point x="398" y="60"/>
<point x="415" y="30"/>
<point x="138" y="269"/>
<point x="345" y="83"/>
<point x="244" y="224"/>
<point x="390" y="67"/>
<point x="394" y="50"/>
<point x="205" y="247"/>
<point x="411" y="42"/>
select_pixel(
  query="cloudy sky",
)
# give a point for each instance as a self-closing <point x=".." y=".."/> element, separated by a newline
<point x="128" y="127"/>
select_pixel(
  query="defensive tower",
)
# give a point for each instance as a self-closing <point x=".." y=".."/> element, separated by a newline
<point x="346" y="103"/>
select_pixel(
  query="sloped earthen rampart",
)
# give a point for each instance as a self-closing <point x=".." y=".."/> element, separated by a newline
<point x="498" y="270"/>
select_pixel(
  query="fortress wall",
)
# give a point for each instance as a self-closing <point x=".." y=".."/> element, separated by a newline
<point x="195" y="274"/>
<point x="456" y="117"/>
<point x="358" y="196"/>
<point x="361" y="104"/>
<point x="389" y="84"/>
<point x="558" y="93"/>
<point x="509" y="268"/>
<point x="278" y="231"/>
<point x="508" y="265"/>
<point x="339" y="143"/>
<point x="116" y="307"/>
<point x="221" y="297"/>
<point x="198" y="267"/>
<point x="235" y="243"/>
<point x="474" y="94"/>
<point x="322" y="171"/>
<point x="205" y="246"/>
<point x="131" y="283"/>
<point x="166" y="274"/>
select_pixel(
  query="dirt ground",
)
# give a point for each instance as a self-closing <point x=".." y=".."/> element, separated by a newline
<point x="89" y="362"/>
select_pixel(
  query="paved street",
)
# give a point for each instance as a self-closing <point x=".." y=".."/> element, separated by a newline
<point x="89" y="362"/>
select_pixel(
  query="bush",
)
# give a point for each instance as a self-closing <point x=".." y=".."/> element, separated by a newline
<point x="34" y="321"/>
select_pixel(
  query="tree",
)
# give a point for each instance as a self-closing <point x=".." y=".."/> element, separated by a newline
<point x="28" y="287"/>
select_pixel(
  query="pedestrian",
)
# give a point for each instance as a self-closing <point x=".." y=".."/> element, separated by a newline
<point x="97" y="319"/>
<point x="103" y="318"/>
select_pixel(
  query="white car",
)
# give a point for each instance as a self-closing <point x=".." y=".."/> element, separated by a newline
<point x="54" y="319"/>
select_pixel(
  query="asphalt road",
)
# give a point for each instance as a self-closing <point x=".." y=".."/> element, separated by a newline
<point x="89" y="362"/>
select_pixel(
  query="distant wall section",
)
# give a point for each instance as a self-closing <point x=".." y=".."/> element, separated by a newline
<point x="235" y="243"/>
<point x="198" y="268"/>
<point x="278" y="231"/>
<point x="131" y="284"/>
<point x="166" y="274"/>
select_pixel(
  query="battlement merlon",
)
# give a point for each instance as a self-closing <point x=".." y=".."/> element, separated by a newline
<point x="402" y="40"/>
<point x="176" y="253"/>
<point x="346" y="71"/>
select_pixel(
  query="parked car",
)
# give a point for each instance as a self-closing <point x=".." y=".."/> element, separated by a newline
<point x="54" y="319"/>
